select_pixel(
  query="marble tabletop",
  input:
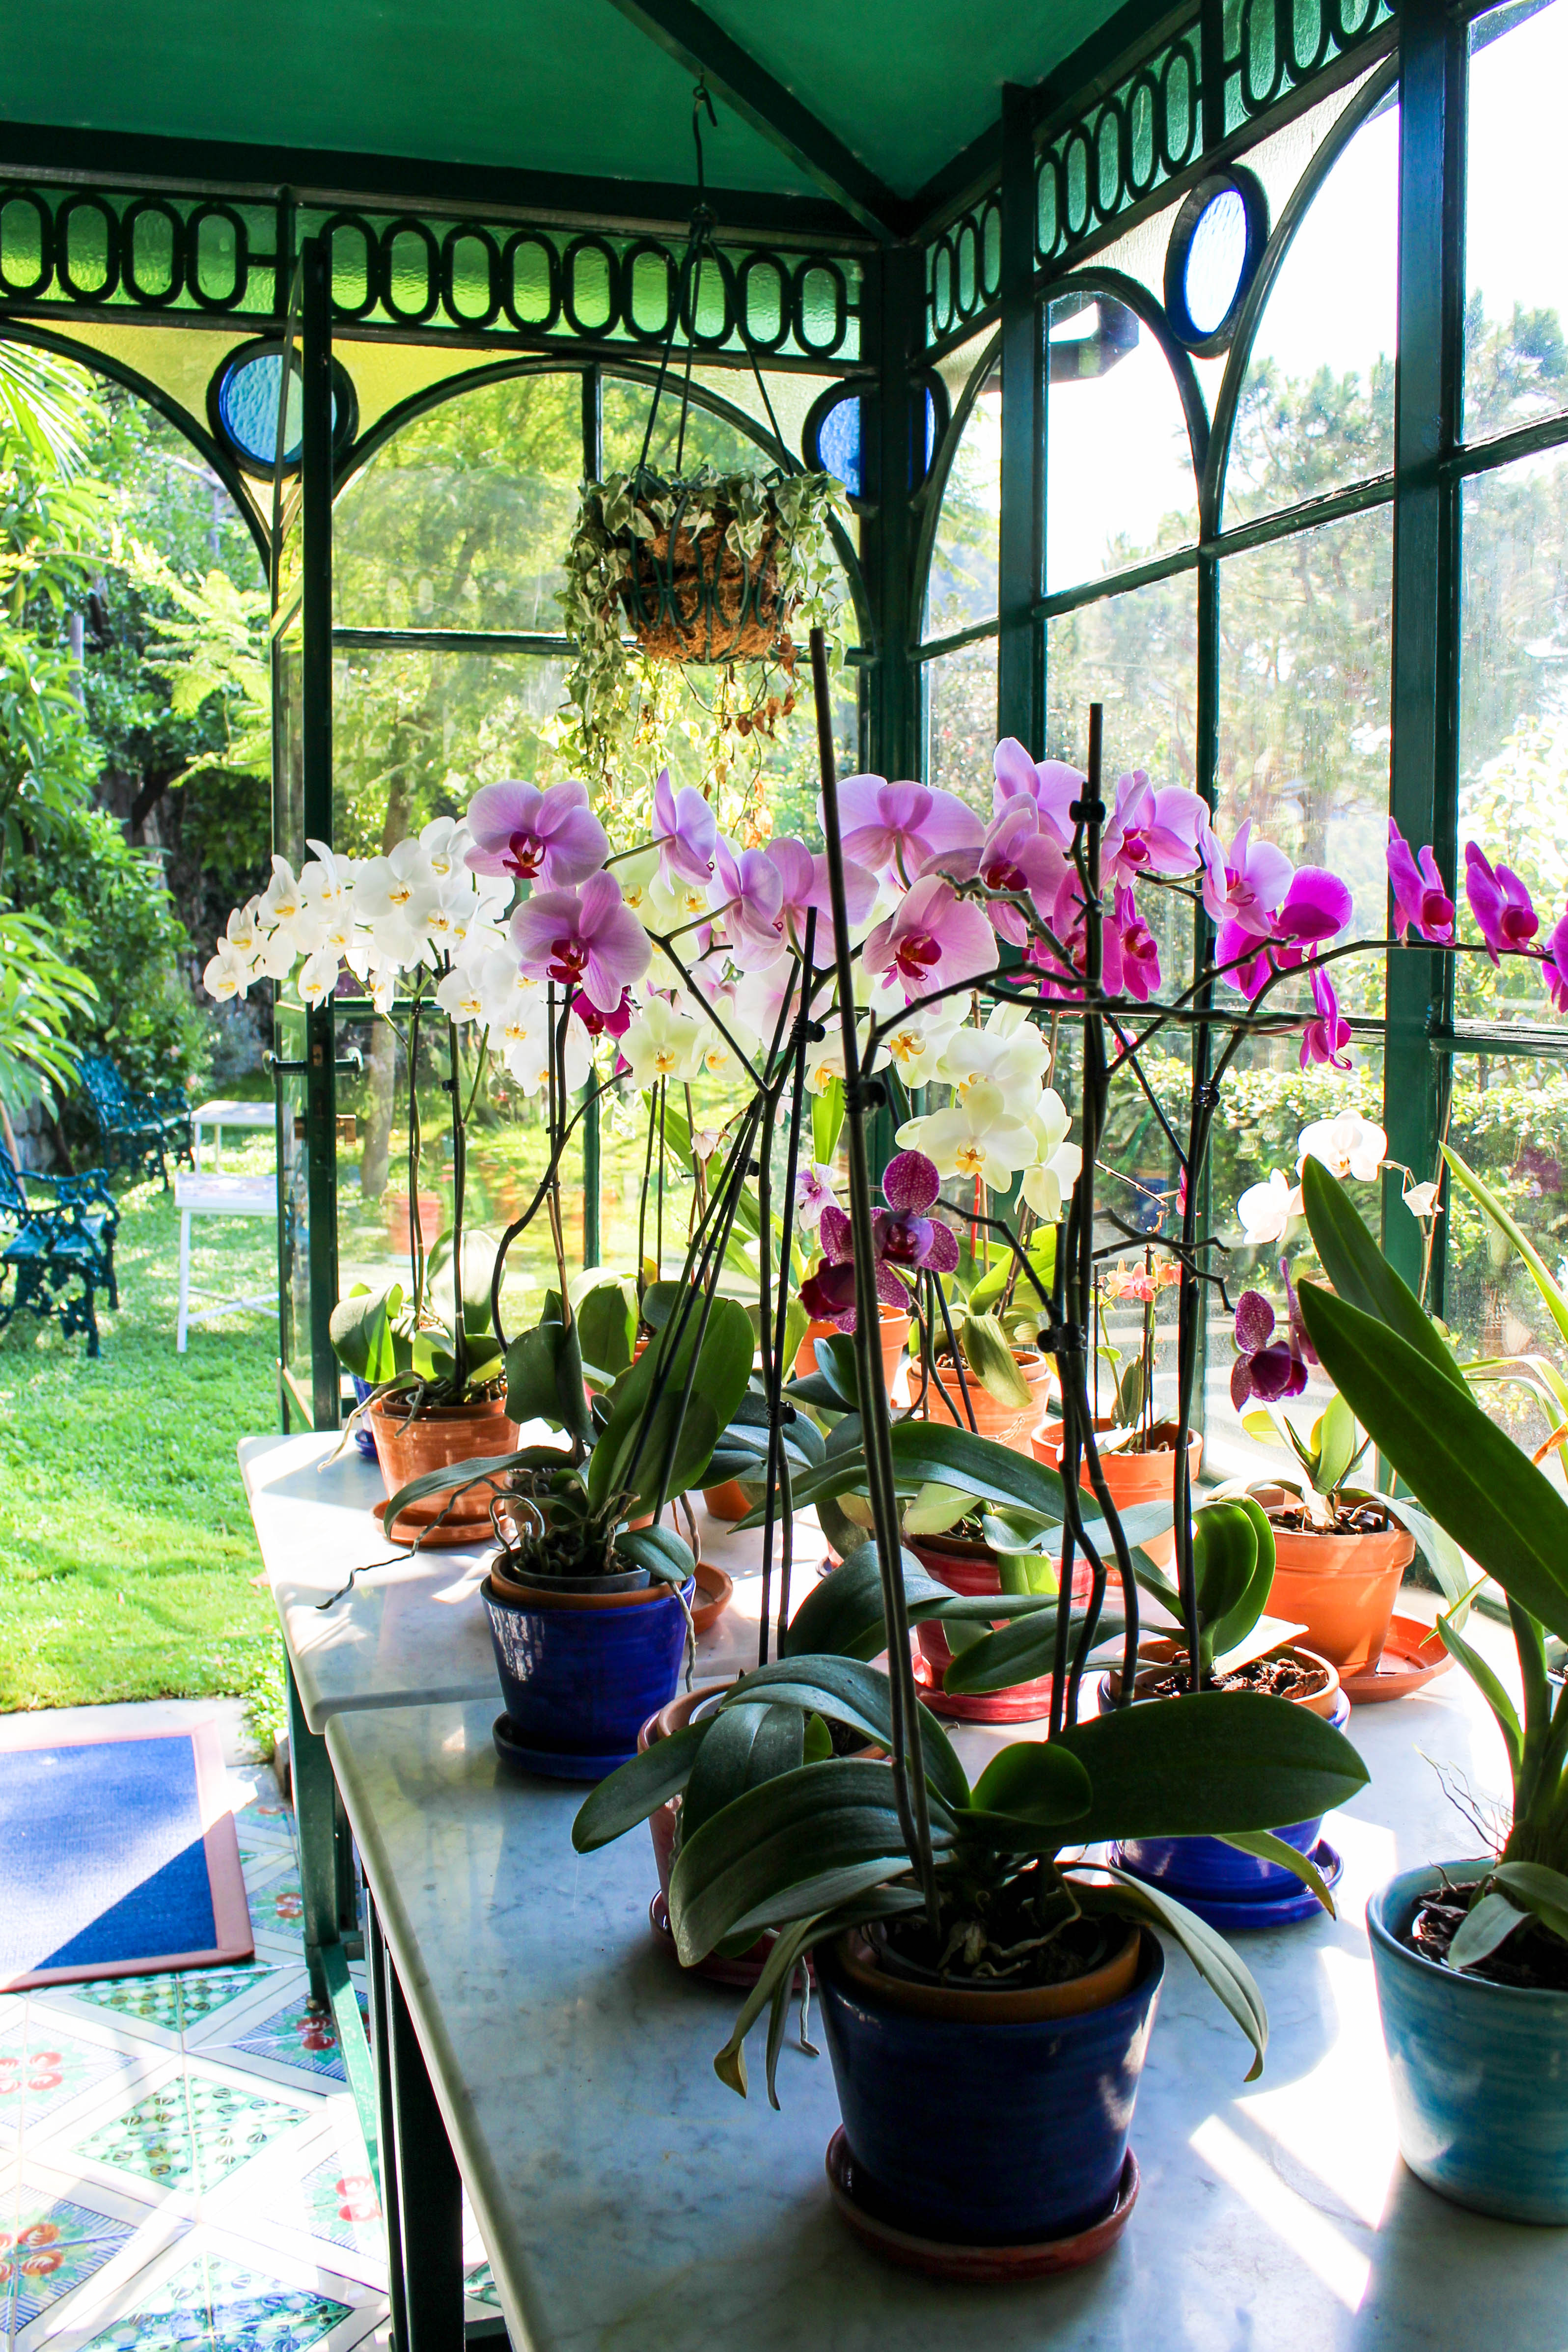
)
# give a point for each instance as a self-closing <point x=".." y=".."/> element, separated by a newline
<point x="412" y="1629"/>
<point x="628" y="2201"/>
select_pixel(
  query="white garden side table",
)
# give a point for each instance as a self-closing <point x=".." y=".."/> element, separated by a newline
<point x="222" y="1112"/>
<point x="217" y="1196"/>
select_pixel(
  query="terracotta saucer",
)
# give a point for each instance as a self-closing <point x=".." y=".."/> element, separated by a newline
<point x="1027" y="1703"/>
<point x="714" y="1591"/>
<point x="1412" y="1655"/>
<point x="974" y="2265"/>
<point x="451" y="1533"/>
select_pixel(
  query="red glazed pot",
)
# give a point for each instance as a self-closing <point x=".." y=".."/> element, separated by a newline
<point x="968" y="1567"/>
<point x="748" y="1968"/>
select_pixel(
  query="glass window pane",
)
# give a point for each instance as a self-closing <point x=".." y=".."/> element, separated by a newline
<point x="1119" y="479"/>
<point x="1316" y="410"/>
<point x="712" y="441"/>
<point x="1138" y="654"/>
<point x="1516" y="365"/>
<point x="961" y="585"/>
<point x="1513" y="706"/>
<point x="461" y="521"/>
<point x="1509" y="1121"/>
<point x="1304" y="712"/>
<point x="960" y="691"/>
<point x="414" y="734"/>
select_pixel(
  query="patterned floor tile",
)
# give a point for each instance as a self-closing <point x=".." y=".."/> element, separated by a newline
<point x="191" y="2134"/>
<point x="479" y="2286"/>
<point x="277" y="1910"/>
<point x="44" y="2069"/>
<point x="342" y="2205"/>
<point x="213" y="2303"/>
<point x="300" y="2034"/>
<point x="266" y="1818"/>
<point x="47" y="2249"/>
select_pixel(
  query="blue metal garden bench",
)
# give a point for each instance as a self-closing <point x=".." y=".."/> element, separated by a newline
<point x="136" y="1130"/>
<point x="46" y="1248"/>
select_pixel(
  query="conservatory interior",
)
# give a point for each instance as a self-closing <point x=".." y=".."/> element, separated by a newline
<point x="916" y="1221"/>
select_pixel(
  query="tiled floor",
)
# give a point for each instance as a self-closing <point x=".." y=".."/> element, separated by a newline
<point x="180" y="2167"/>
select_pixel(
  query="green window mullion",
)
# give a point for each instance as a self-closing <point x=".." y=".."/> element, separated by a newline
<point x="316" y="468"/>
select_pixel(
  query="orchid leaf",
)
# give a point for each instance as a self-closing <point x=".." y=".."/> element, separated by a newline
<point x="1210" y="1763"/>
<point x="1538" y="1889"/>
<point x="637" y="1788"/>
<point x="1482" y="1929"/>
<point x="1363" y="1278"/>
<point x="1223" y="1971"/>
<point x="1264" y="1846"/>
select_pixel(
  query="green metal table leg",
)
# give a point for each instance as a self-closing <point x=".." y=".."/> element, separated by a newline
<point x="326" y="1865"/>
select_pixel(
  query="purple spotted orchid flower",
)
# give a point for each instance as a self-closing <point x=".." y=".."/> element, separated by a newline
<point x="933" y="940"/>
<point x="550" y="836"/>
<point x="1267" y="1368"/>
<point x="1420" y="902"/>
<point x="686" y="832"/>
<point x="896" y="830"/>
<point x="905" y="1237"/>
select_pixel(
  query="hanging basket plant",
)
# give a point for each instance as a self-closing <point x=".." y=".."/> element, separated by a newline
<point x="706" y="568"/>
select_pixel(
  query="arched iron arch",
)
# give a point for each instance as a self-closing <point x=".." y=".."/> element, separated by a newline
<point x="933" y="490"/>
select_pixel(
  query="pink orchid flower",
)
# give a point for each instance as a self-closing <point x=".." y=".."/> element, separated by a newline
<point x="1069" y="924"/>
<point x="1245" y="884"/>
<point x="1554" y="967"/>
<point x="1325" y="1037"/>
<point x="894" y="830"/>
<point x="552" y="837"/>
<point x="904" y="1238"/>
<point x="586" y="939"/>
<point x="1151" y="832"/>
<point x="934" y="939"/>
<point x="1420" y="901"/>
<point x="803" y="885"/>
<point x="1050" y="785"/>
<point x="686" y="832"/>
<point x="753" y="896"/>
<point x="1501" y="905"/>
<point x="1140" y="949"/>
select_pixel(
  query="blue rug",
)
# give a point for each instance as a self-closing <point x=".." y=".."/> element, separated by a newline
<point x="117" y="1857"/>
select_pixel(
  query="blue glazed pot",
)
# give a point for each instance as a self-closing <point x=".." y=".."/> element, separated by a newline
<point x="977" y="2133"/>
<point x="1480" y="2071"/>
<point x="581" y="1682"/>
<point x="1205" y="1869"/>
<point x="363" y="1441"/>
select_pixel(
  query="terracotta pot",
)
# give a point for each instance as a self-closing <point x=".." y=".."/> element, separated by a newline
<point x="395" y="1207"/>
<point x="441" y="1436"/>
<point x="1342" y="1589"/>
<point x="968" y="1567"/>
<point x="894" y="1339"/>
<point x="729" y="1501"/>
<point x="1005" y="1423"/>
<point x="1161" y="1652"/>
<point x="1131" y="1477"/>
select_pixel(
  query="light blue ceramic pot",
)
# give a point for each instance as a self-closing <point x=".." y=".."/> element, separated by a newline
<point x="1480" y="2071"/>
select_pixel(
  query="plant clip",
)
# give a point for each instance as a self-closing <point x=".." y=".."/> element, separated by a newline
<point x="1087" y="812"/>
<point x="816" y="1031"/>
<point x="862" y="1095"/>
<point x="1060" y="1339"/>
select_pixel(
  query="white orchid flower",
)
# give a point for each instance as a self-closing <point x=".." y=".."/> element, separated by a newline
<point x="635" y="875"/>
<point x="916" y="1042"/>
<point x="976" y="1137"/>
<point x="1008" y="1053"/>
<point x="444" y="844"/>
<point x="1265" y="1210"/>
<point x="1421" y="1200"/>
<point x="318" y="975"/>
<point x="1057" y="1169"/>
<point x="276" y="955"/>
<point x="508" y="994"/>
<point x="242" y="926"/>
<point x="461" y="995"/>
<point x="282" y="899"/>
<point x="324" y="881"/>
<point x="525" y="1047"/>
<point x="663" y="1042"/>
<point x="1348" y="1145"/>
<point x="814" y="1192"/>
<point x="384" y="885"/>
<point x="229" y="972"/>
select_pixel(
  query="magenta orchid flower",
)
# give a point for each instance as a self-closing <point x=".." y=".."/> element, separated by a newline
<point x="894" y="830"/>
<point x="934" y="940"/>
<point x="803" y="884"/>
<point x="1420" y="902"/>
<point x="1500" y="903"/>
<point x="1266" y="1368"/>
<point x="1315" y="908"/>
<point x="1068" y="926"/>
<point x="1050" y="785"/>
<point x="587" y="939"/>
<point x="753" y="896"/>
<point x="552" y="836"/>
<point x="1554" y="967"/>
<point x="1017" y="854"/>
<point x="685" y="831"/>
<point x="604" y="1024"/>
<point x="1246" y="884"/>
<point x="1325" y="1037"/>
<point x="1151" y="832"/>
<point x="904" y="1238"/>
<point x="1140" y="951"/>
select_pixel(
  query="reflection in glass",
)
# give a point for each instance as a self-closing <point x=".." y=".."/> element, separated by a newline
<point x="960" y="695"/>
<point x="461" y="520"/>
<point x="1516" y="365"/>
<point x="712" y="441"/>
<point x="1214" y="259"/>
<point x="1509" y="1121"/>
<point x="1304" y="711"/>
<point x="1513" y="705"/>
<point x="1316" y="409"/>
<point x="1119" y="479"/>
<point x="961" y="586"/>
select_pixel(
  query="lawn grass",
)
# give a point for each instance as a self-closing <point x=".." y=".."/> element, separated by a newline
<point x="127" y="1557"/>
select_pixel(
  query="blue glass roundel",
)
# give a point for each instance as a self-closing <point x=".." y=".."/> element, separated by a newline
<point x="838" y="444"/>
<point x="247" y="408"/>
<point x="1215" y="261"/>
